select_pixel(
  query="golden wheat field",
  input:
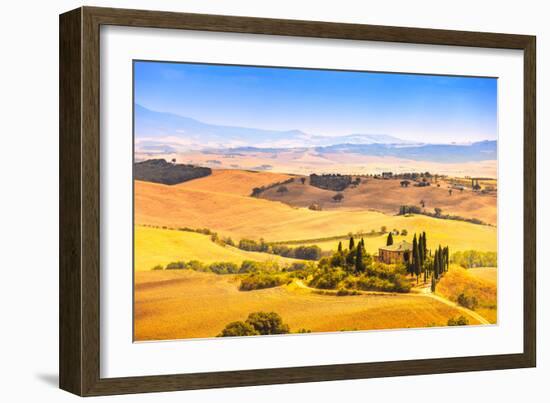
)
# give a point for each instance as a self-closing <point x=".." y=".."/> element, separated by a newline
<point x="388" y="195"/>
<point x="175" y="304"/>
<point x="240" y="217"/>
<point x="155" y="246"/>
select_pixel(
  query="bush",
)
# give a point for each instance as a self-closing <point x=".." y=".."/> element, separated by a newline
<point x="312" y="252"/>
<point x="467" y="301"/>
<point x="342" y="292"/>
<point x="327" y="278"/>
<point x="223" y="268"/>
<point x="249" y="266"/>
<point x="460" y="321"/>
<point x="175" y="266"/>
<point x="248" y="244"/>
<point x="258" y="281"/>
<point x="282" y="189"/>
<point x="475" y="258"/>
<point x="238" y="328"/>
<point x="267" y="323"/>
<point x="158" y="267"/>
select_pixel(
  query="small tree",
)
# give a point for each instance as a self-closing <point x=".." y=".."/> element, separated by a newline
<point x="303" y="180"/>
<point x="338" y="197"/>
<point x="404" y="232"/>
<point x="238" y="328"/>
<point x="433" y="283"/>
<point x="389" y="241"/>
<point x="351" y="243"/>
<point x="438" y="211"/>
<point x="340" y="247"/>
<point x="422" y="203"/>
<point x="267" y="323"/>
<point x="282" y="189"/>
<point x="383" y="229"/>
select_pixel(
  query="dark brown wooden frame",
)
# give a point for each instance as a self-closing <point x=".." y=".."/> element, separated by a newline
<point x="79" y="201"/>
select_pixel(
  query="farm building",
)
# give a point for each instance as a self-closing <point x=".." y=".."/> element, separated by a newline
<point x="397" y="253"/>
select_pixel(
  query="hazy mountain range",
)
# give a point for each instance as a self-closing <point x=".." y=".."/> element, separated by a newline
<point x="164" y="133"/>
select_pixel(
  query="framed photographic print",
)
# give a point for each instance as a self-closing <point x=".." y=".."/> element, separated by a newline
<point x="250" y="201"/>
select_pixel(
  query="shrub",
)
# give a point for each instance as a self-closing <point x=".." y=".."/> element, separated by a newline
<point x="282" y="189"/>
<point x="467" y="301"/>
<point x="475" y="258"/>
<point x="158" y="267"/>
<point x="312" y="252"/>
<point x="295" y="266"/>
<point x="238" y="328"/>
<point x="248" y="244"/>
<point x="267" y="323"/>
<point x="196" y="265"/>
<point x="258" y="281"/>
<point x="342" y="292"/>
<point x="249" y="266"/>
<point x="327" y="278"/>
<point x="223" y="268"/>
<point x="175" y="266"/>
<point x="460" y="321"/>
<point x="338" y="197"/>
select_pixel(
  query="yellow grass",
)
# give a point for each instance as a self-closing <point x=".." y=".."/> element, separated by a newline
<point x="246" y="217"/>
<point x="388" y="195"/>
<point x="158" y="246"/>
<point x="183" y="304"/>
<point x="481" y="283"/>
<point x="234" y="181"/>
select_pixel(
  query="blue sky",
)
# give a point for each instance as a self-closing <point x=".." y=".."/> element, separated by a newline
<point x="436" y="109"/>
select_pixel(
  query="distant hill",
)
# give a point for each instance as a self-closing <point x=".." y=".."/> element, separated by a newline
<point x="160" y="171"/>
<point x="160" y="133"/>
<point x="479" y="151"/>
<point x="197" y="135"/>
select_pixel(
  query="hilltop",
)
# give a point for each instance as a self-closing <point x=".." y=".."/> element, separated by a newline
<point x="160" y="171"/>
<point x="387" y="195"/>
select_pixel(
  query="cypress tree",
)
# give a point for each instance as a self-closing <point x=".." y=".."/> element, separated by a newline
<point x="340" y="247"/>
<point x="359" y="265"/>
<point x="440" y="259"/>
<point x="351" y="243"/>
<point x="436" y="265"/>
<point x="389" y="241"/>
<point x="363" y="245"/>
<point x="433" y="283"/>
<point x="425" y="242"/>
<point x="416" y="258"/>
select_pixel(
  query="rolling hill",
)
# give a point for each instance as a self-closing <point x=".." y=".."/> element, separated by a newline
<point x="229" y="212"/>
<point x="154" y="246"/>
<point x="171" y="305"/>
<point x="388" y="195"/>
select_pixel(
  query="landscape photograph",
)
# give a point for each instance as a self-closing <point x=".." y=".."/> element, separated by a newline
<point x="280" y="201"/>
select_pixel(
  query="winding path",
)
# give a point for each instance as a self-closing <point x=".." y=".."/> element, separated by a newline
<point x="423" y="292"/>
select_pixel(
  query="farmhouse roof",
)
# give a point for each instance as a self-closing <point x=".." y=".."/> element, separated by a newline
<point x="402" y="246"/>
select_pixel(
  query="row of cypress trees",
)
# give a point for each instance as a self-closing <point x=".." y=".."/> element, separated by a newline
<point x="353" y="259"/>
